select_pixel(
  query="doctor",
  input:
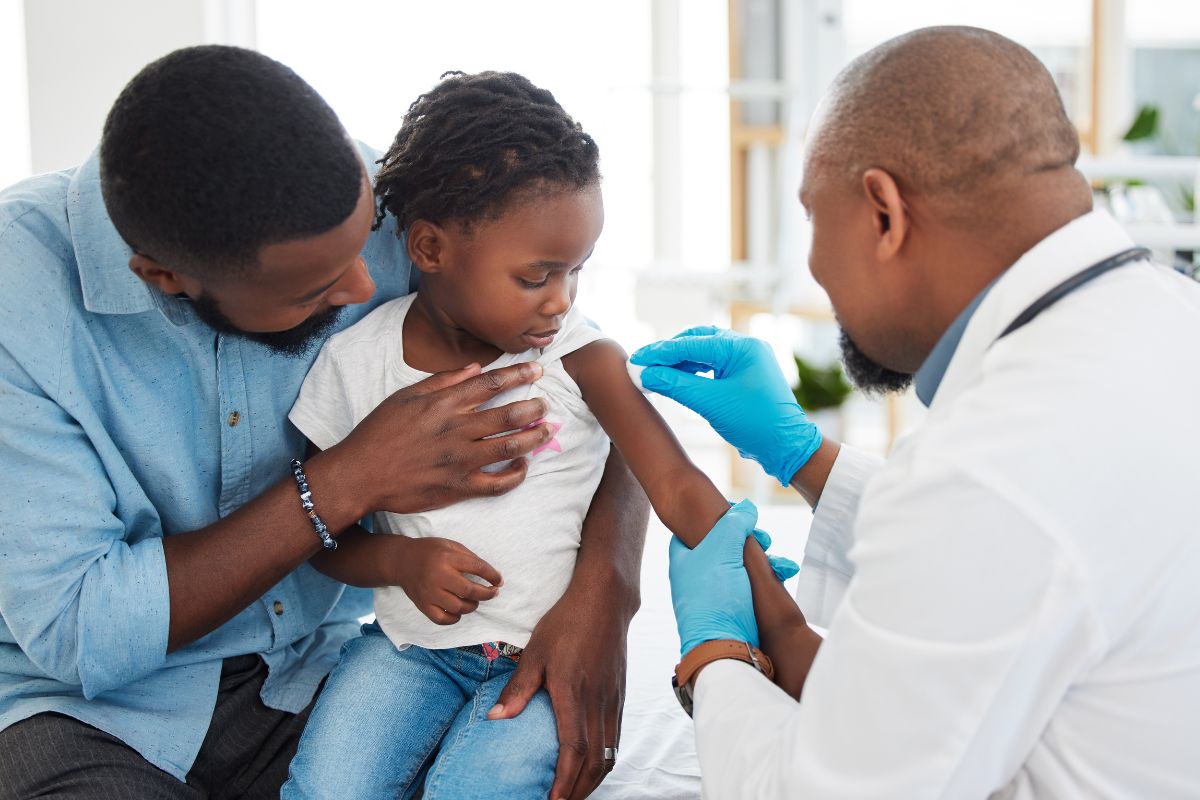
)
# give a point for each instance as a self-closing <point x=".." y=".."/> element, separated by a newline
<point x="1013" y="598"/>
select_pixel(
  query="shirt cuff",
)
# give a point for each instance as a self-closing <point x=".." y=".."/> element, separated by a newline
<point x="826" y="570"/>
<point x="724" y="684"/>
<point x="124" y="616"/>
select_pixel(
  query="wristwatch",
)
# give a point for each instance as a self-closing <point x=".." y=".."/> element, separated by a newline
<point x="708" y="652"/>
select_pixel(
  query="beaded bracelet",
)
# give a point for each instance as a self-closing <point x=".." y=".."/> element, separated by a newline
<point x="327" y="541"/>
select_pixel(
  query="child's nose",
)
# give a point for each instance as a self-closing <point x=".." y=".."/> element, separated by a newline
<point x="559" y="300"/>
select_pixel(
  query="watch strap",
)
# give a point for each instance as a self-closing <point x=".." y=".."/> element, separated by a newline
<point x="707" y="652"/>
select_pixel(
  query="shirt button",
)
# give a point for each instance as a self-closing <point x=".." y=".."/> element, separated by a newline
<point x="233" y="419"/>
<point x="278" y="608"/>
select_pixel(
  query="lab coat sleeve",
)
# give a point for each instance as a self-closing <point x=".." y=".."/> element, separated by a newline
<point x="826" y="570"/>
<point x="960" y="632"/>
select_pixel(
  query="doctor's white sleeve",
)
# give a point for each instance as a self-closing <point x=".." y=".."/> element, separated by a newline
<point x="961" y="630"/>
<point x="826" y="569"/>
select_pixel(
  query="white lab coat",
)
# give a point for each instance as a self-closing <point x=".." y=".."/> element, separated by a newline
<point x="1013" y="598"/>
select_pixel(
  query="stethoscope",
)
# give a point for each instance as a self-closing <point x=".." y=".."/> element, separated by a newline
<point x="1072" y="283"/>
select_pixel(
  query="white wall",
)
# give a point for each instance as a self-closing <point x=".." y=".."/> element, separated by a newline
<point x="81" y="54"/>
<point x="14" y="103"/>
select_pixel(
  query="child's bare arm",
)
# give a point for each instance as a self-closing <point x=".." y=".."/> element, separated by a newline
<point x="431" y="571"/>
<point x="682" y="495"/>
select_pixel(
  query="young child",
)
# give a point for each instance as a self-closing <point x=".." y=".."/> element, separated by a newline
<point x="497" y="191"/>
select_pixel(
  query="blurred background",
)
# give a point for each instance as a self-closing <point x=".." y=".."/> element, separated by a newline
<point x="700" y="109"/>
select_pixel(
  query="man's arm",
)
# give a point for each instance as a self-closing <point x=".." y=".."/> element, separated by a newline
<point x="97" y="601"/>
<point x="85" y="599"/>
<point x="421" y="448"/>
<point x="811" y="478"/>
<point x="961" y="633"/>
<point x="578" y="649"/>
<point x="826" y="570"/>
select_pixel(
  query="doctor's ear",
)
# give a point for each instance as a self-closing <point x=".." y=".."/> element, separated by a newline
<point x="426" y="245"/>
<point x="889" y="213"/>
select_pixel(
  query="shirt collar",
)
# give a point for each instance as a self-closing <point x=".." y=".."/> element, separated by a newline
<point x="929" y="377"/>
<point x="1081" y="242"/>
<point x="109" y="286"/>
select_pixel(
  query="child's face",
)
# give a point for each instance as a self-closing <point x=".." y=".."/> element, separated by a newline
<point x="510" y="281"/>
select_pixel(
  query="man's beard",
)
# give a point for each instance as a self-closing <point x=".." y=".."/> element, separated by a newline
<point x="293" y="342"/>
<point x="868" y="375"/>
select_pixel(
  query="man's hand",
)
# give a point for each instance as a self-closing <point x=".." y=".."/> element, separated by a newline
<point x="710" y="589"/>
<point x="434" y="574"/>
<point x="577" y="652"/>
<point x="747" y="401"/>
<point x="423" y="447"/>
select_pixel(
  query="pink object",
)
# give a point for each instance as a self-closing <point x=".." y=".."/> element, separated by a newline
<point x="553" y="444"/>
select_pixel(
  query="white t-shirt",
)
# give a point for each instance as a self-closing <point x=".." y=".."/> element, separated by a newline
<point x="531" y="534"/>
<point x="1013" y="599"/>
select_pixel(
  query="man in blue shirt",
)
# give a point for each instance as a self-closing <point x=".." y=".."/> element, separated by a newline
<point x="161" y="634"/>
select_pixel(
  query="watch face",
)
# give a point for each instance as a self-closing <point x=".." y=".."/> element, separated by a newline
<point x="683" y="694"/>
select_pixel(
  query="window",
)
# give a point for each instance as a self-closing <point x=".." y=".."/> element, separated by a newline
<point x="15" y="162"/>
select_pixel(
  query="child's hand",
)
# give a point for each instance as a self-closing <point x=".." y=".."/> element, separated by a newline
<point x="433" y="573"/>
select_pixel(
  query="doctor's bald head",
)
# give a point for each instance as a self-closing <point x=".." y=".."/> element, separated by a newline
<point x="930" y="161"/>
<point x="945" y="111"/>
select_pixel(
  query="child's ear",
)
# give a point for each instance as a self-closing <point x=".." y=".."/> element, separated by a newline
<point x="426" y="245"/>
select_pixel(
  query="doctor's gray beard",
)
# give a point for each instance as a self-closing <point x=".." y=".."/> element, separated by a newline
<point x="868" y="375"/>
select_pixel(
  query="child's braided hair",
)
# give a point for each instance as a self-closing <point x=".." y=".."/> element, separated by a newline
<point x="468" y="146"/>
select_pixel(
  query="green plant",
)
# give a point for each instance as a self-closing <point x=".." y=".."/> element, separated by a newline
<point x="820" y="387"/>
<point x="1147" y="126"/>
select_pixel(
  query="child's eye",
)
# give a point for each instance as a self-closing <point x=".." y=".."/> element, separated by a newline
<point x="531" y="284"/>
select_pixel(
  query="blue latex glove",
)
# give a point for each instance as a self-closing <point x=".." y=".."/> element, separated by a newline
<point x="710" y="589"/>
<point x="747" y="401"/>
<point x="783" y="567"/>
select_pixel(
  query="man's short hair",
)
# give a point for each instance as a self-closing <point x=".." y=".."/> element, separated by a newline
<point x="212" y="152"/>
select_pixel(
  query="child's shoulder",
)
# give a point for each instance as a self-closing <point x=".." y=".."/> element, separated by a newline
<point x="599" y="360"/>
<point x="384" y="322"/>
<point x="585" y="352"/>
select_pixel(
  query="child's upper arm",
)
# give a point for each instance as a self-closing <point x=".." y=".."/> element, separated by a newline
<point x="624" y="413"/>
<point x="682" y="495"/>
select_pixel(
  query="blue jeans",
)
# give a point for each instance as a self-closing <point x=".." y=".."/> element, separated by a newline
<point x="391" y="720"/>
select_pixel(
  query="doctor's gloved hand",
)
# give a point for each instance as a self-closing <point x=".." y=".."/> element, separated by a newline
<point x="710" y="589"/>
<point x="747" y="401"/>
<point x="783" y="567"/>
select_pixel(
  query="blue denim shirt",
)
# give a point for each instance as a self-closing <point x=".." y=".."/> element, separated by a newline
<point x="115" y="431"/>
